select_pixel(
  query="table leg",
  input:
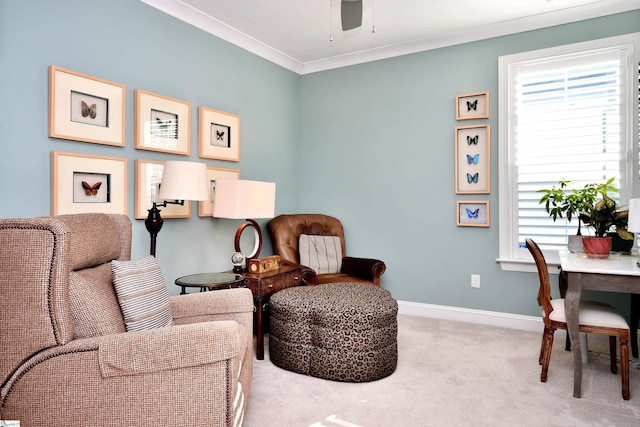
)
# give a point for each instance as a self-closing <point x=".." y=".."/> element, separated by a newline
<point x="634" y="320"/>
<point x="571" y="308"/>
<point x="562" y="286"/>
<point x="259" y="333"/>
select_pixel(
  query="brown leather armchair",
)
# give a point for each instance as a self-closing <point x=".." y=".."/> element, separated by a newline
<point x="285" y="231"/>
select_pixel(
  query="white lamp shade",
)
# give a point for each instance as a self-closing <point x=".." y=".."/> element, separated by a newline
<point x="184" y="181"/>
<point x="242" y="199"/>
<point x="634" y="216"/>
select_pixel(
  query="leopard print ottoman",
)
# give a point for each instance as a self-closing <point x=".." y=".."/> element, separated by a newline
<point x="338" y="331"/>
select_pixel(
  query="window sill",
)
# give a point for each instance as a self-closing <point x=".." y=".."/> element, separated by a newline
<point x="526" y="266"/>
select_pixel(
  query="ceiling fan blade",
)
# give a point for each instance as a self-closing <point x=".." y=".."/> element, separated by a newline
<point x="351" y="11"/>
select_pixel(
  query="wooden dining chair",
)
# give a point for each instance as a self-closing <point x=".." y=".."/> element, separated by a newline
<point x="595" y="318"/>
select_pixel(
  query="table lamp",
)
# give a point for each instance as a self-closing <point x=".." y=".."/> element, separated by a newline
<point x="633" y="224"/>
<point x="180" y="181"/>
<point x="242" y="199"/>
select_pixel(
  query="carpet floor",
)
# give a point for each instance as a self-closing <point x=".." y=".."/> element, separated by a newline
<point x="452" y="374"/>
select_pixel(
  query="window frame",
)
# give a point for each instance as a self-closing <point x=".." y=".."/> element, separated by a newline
<point x="507" y="185"/>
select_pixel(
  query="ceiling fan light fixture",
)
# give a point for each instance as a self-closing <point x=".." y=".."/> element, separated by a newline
<point x="351" y="11"/>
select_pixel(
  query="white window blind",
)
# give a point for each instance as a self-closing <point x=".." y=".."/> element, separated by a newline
<point x="569" y="117"/>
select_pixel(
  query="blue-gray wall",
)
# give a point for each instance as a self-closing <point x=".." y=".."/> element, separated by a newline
<point x="371" y="144"/>
<point x="128" y="42"/>
<point x="378" y="142"/>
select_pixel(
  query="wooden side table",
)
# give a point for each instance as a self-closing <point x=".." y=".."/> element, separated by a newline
<point x="210" y="281"/>
<point x="263" y="285"/>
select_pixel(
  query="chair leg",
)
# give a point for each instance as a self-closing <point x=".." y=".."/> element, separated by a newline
<point x="624" y="365"/>
<point x="634" y="321"/>
<point x="612" y="354"/>
<point x="544" y="334"/>
<point x="546" y="356"/>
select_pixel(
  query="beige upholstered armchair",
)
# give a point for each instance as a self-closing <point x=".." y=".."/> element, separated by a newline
<point x="303" y="238"/>
<point x="67" y="358"/>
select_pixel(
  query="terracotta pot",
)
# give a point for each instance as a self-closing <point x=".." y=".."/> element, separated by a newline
<point x="597" y="247"/>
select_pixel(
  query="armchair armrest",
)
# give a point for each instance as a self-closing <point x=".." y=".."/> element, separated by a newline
<point x="164" y="349"/>
<point x="143" y="373"/>
<point x="225" y="304"/>
<point x="308" y="274"/>
<point x="365" y="268"/>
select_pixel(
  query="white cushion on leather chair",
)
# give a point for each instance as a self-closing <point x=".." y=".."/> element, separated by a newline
<point x="323" y="254"/>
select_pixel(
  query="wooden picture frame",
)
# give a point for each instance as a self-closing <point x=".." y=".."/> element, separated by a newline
<point x="85" y="108"/>
<point x="472" y="106"/>
<point x="219" y="135"/>
<point x="473" y="159"/>
<point x="82" y="183"/>
<point x="162" y="123"/>
<point x="473" y="213"/>
<point x="206" y="208"/>
<point x="148" y="179"/>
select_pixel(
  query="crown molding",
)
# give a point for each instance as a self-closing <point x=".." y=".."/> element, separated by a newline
<point x="211" y="25"/>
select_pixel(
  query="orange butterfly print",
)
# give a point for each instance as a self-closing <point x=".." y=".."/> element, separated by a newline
<point x="91" y="190"/>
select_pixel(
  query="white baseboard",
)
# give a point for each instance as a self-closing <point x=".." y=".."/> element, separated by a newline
<point x="482" y="317"/>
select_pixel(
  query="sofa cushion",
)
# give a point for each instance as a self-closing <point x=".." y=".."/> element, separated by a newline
<point x="142" y="294"/>
<point x="323" y="254"/>
<point x="94" y="305"/>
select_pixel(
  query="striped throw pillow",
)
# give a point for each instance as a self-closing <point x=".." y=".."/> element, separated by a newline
<point x="321" y="253"/>
<point x="142" y="294"/>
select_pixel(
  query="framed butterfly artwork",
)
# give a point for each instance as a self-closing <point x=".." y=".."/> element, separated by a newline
<point x="472" y="106"/>
<point x="206" y="208"/>
<point x="148" y="179"/>
<point x="472" y="213"/>
<point x="473" y="159"/>
<point x="161" y="123"/>
<point x="219" y="135"/>
<point x="82" y="183"/>
<point x="85" y="108"/>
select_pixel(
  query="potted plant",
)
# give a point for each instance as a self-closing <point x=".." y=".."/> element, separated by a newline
<point x="621" y="239"/>
<point x="559" y="201"/>
<point x="603" y="216"/>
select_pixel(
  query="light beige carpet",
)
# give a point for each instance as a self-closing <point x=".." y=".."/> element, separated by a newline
<point x="452" y="374"/>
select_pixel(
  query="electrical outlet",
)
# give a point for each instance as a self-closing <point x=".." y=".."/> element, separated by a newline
<point x="475" y="280"/>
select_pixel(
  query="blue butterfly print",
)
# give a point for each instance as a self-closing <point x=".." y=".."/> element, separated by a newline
<point x="472" y="105"/>
<point x="472" y="140"/>
<point x="473" y="159"/>
<point x="472" y="214"/>
<point x="472" y="178"/>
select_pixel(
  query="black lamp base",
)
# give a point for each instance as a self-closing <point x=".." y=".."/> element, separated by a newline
<point x="154" y="225"/>
<point x="154" y="222"/>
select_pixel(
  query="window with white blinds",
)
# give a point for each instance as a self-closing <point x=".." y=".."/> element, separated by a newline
<point x="568" y="113"/>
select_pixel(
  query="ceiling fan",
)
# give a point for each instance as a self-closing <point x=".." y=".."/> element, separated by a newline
<point x="351" y="11"/>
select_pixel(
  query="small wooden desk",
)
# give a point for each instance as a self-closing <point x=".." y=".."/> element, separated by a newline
<point x="618" y="273"/>
<point x="263" y="285"/>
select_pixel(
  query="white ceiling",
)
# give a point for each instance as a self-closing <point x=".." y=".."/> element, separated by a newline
<point x="296" y="33"/>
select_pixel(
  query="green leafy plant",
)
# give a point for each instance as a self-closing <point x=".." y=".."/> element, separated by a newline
<point x="601" y="214"/>
<point x="561" y="202"/>
<point x="606" y="214"/>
